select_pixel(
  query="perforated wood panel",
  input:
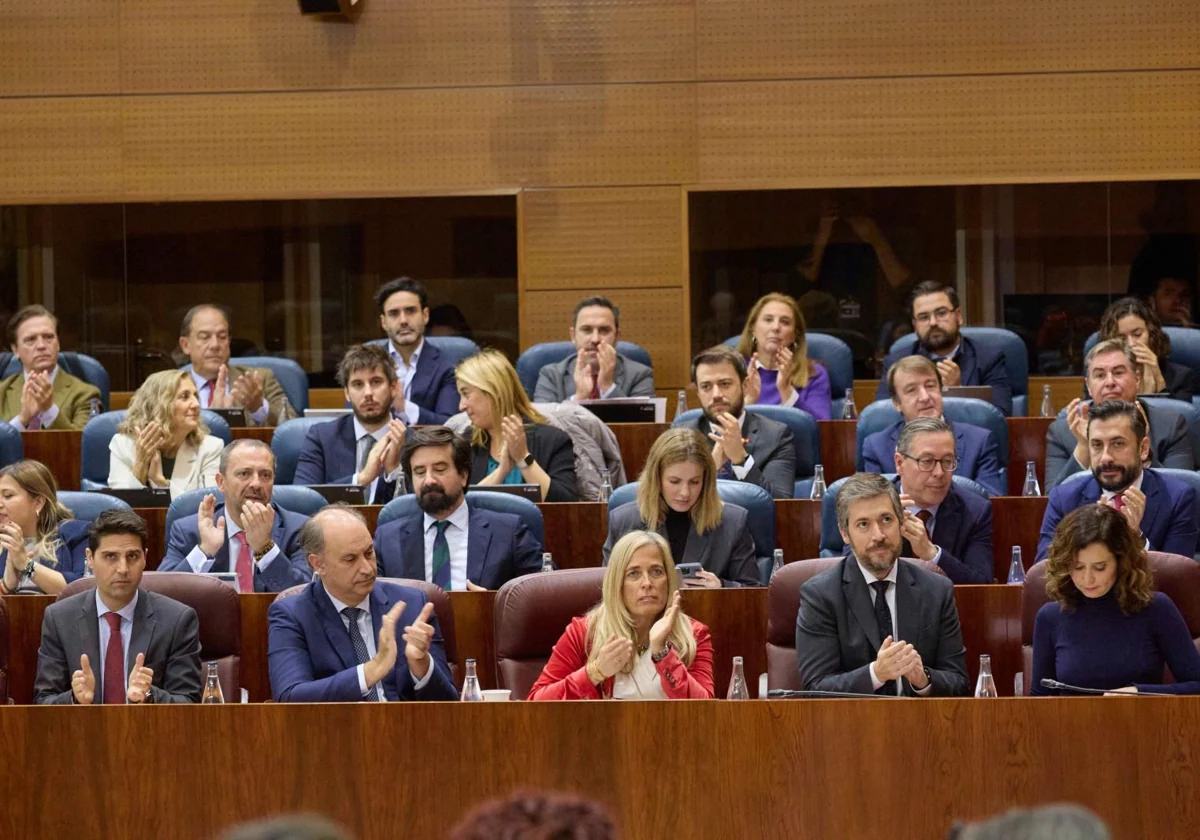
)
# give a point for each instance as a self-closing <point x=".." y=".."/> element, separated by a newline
<point x="213" y="45"/>
<point x="610" y="238"/>
<point x="58" y="150"/>
<point x="987" y="129"/>
<point x="653" y="318"/>
<point x="53" y="47"/>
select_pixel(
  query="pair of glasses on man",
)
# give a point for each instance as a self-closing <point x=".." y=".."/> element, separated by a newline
<point x="926" y="464"/>
<point x="940" y="314"/>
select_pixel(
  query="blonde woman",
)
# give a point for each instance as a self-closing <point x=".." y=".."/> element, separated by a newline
<point x="636" y="644"/>
<point x="511" y="443"/>
<point x="162" y="442"/>
<point x="677" y="497"/>
<point x="42" y="548"/>
<point x="779" y="371"/>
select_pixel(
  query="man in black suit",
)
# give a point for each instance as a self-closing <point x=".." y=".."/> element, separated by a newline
<point x="937" y="319"/>
<point x="872" y="624"/>
<point x="746" y="447"/>
<point x="126" y="645"/>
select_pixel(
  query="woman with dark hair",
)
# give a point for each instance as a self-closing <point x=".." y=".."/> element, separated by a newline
<point x="42" y="548"/>
<point x="1105" y="626"/>
<point x="1133" y="320"/>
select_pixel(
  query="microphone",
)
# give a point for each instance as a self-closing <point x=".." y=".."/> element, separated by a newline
<point x="789" y="694"/>
<point x="1078" y="689"/>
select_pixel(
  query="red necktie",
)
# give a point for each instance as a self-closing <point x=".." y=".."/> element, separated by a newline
<point x="114" y="661"/>
<point x="212" y="388"/>
<point x="924" y="516"/>
<point x="1118" y="501"/>
<point x="245" y="565"/>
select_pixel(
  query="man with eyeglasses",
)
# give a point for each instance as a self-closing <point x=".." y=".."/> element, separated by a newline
<point x="942" y="524"/>
<point x="937" y="319"/>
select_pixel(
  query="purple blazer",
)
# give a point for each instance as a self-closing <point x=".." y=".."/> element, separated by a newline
<point x="813" y="397"/>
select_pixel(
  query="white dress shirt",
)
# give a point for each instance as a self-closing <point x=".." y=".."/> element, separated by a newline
<point x="743" y="469"/>
<point x="205" y="393"/>
<point x="870" y="578"/>
<point x="367" y="629"/>
<point x="1106" y="496"/>
<point x="48" y="416"/>
<point x="456" y="539"/>
<point x="405" y="371"/>
<point x="200" y="562"/>
<point x="933" y="509"/>
<point x="126" y="614"/>
<point x="642" y="683"/>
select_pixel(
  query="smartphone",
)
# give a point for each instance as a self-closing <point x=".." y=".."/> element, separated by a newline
<point x="687" y="570"/>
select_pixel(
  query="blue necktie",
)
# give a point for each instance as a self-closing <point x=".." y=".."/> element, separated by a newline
<point x="360" y="650"/>
<point x="441" y="556"/>
<point x="726" y="471"/>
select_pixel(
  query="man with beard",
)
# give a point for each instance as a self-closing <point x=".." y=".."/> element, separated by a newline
<point x="362" y="447"/>
<point x="937" y="318"/>
<point x="1162" y="508"/>
<point x="746" y="447"/>
<point x="451" y="543"/>
<point x="595" y="370"/>
<point x="1111" y="371"/>
<point x="247" y="533"/>
<point x="871" y="624"/>
<point x="427" y="393"/>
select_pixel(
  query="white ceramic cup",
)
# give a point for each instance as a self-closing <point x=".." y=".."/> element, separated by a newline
<point x="497" y="695"/>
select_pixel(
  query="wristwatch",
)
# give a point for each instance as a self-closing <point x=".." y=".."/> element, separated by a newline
<point x="266" y="549"/>
<point x="528" y="459"/>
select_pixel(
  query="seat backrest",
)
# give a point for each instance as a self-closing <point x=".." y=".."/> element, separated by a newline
<point x="530" y="363"/>
<point x="3" y="653"/>
<point x="531" y="612"/>
<point x="12" y="448"/>
<point x="453" y="347"/>
<point x="79" y="365"/>
<point x="882" y="414"/>
<point x="87" y="506"/>
<point x="302" y="500"/>
<point x="218" y="609"/>
<point x="287" y="442"/>
<point x="806" y="435"/>
<point x="1190" y="413"/>
<point x="1188" y="477"/>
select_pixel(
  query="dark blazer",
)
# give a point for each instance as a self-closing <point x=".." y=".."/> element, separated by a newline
<point x="556" y="381"/>
<point x="727" y="550"/>
<point x="73" y="543"/>
<point x="434" y="388"/>
<point x="1169" y="520"/>
<point x="289" y="569"/>
<point x="311" y="659"/>
<point x="976" y="450"/>
<point x="166" y="631"/>
<point x="1182" y="383"/>
<point x="837" y="638"/>
<point x="979" y="363"/>
<point x="329" y="456"/>
<point x="499" y="548"/>
<point x="550" y="447"/>
<point x="773" y="448"/>
<point x="1170" y="445"/>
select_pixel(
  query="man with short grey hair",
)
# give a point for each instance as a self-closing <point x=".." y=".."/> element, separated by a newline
<point x="874" y="625"/>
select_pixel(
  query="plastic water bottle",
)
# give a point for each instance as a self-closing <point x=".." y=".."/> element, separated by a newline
<point x="738" y="689"/>
<point x="818" y="485"/>
<point x="605" y="486"/>
<point x="547" y="562"/>
<point x="985" y="686"/>
<point x="1031" y="487"/>
<point x="470" y="690"/>
<point x="212" y="687"/>
<point x="1047" y="403"/>
<point x="777" y="561"/>
<point x="849" y="412"/>
<point x="681" y="404"/>
<point x="1016" y="569"/>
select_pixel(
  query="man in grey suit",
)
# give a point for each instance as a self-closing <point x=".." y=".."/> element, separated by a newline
<point x="130" y="646"/>
<point x="595" y="370"/>
<point x="1112" y="374"/>
<point x="874" y="625"/>
<point x="746" y="447"/>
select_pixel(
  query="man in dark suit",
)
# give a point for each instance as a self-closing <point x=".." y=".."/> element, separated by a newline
<point x="248" y="533"/>
<point x="595" y="370"/>
<point x="363" y="447"/>
<point x="873" y="624"/>
<point x="1111" y="371"/>
<point x="937" y="319"/>
<point x="337" y="639"/>
<point x="427" y="393"/>
<point x="1162" y="508"/>
<point x="130" y="646"/>
<point x="746" y="447"/>
<point x="915" y="386"/>
<point x="451" y="543"/>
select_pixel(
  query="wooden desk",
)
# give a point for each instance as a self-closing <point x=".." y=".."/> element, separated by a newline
<point x="60" y="450"/>
<point x="1026" y="442"/>
<point x="1016" y="520"/>
<point x="798" y="528"/>
<point x="635" y="440"/>
<point x="779" y="769"/>
<point x="838" y="448"/>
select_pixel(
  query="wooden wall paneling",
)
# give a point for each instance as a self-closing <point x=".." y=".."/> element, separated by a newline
<point x="961" y="130"/>
<point x="58" y="150"/>
<point x="60" y="47"/>
<point x="775" y="39"/>
<point x="226" y="45"/>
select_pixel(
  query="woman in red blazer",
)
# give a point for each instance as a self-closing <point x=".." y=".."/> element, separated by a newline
<point x="636" y="644"/>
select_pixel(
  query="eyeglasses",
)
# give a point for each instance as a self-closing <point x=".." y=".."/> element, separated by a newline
<point x="925" y="464"/>
<point x="936" y="315"/>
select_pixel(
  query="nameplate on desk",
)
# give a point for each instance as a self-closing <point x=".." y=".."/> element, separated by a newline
<point x="348" y="494"/>
<point x="632" y="410"/>
<point x="232" y="416"/>
<point x="969" y="392"/>
<point x="529" y="491"/>
<point x="140" y="497"/>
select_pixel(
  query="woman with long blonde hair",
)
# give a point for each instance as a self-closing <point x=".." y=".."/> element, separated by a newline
<point x="42" y="548"/>
<point x="779" y="371"/>
<point x="162" y="442"/>
<point x="677" y="498"/>
<point x="511" y="443"/>
<point x="636" y="644"/>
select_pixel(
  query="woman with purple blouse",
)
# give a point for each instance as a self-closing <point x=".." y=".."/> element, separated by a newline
<point x="779" y="370"/>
